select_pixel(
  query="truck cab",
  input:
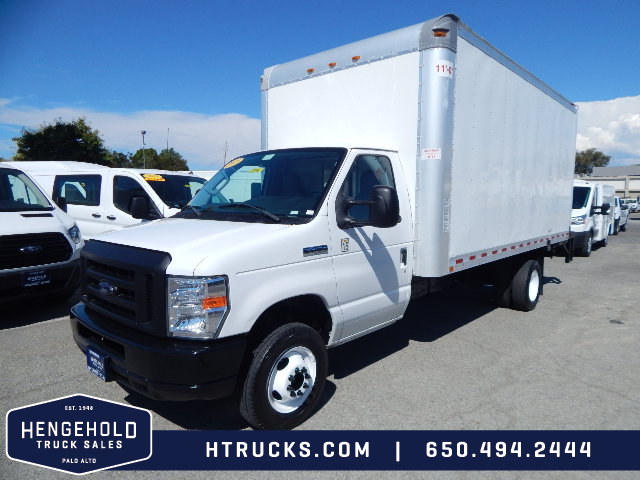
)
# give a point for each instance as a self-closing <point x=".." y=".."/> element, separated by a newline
<point x="591" y="216"/>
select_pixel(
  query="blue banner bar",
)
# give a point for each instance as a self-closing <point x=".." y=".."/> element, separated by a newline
<point x="394" y="450"/>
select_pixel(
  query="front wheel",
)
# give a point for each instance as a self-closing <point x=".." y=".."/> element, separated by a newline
<point x="587" y="247"/>
<point x="285" y="379"/>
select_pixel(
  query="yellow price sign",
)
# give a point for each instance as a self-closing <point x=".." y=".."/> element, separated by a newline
<point x="153" y="177"/>
<point x="233" y="163"/>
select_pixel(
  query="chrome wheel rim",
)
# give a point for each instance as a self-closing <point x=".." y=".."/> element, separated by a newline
<point x="534" y="285"/>
<point x="291" y="379"/>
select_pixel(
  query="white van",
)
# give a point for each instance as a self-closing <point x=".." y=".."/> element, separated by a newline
<point x="102" y="199"/>
<point x="620" y="215"/>
<point x="591" y="215"/>
<point x="39" y="243"/>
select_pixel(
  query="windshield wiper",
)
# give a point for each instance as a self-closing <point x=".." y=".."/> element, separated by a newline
<point x="195" y="210"/>
<point x="266" y="213"/>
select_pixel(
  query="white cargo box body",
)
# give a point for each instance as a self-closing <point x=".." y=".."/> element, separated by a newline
<point x="488" y="149"/>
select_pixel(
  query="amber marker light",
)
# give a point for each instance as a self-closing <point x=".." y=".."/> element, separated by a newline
<point x="214" y="302"/>
<point x="355" y="58"/>
<point x="310" y="70"/>
<point x="332" y="64"/>
<point x="440" y="33"/>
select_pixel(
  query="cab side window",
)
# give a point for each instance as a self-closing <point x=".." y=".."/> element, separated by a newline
<point x="366" y="171"/>
<point x="124" y="189"/>
<point x="78" y="189"/>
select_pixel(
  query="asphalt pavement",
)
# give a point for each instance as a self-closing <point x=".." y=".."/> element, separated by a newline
<point x="454" y="362"/>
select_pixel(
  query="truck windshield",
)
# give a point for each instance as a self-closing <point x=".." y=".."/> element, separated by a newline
<point x="580" y="197"/>
<point x="275" y="186"/>
<point x="174" y="190"/>
<point x="18" y="193"/>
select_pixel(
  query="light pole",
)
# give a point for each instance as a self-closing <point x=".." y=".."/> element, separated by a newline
<point x="144" y="160"/>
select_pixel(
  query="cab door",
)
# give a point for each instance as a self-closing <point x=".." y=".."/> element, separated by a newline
<point x="122" y="190"/>
<point x="372" y="265"/>
<point x="85" y="201"/>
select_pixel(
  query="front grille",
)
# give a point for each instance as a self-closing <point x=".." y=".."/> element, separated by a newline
<point x="126" y="284"/>
<point x="33" y="249"/>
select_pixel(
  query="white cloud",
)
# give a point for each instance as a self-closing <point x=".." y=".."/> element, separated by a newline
<point x="613" y="127"/>
<point x="199" y="138"/>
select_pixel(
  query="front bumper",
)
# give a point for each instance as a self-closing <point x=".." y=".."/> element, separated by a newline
<point x="580" y="239"/>
<point x="63" y="280"/>
<point x="161" y="368"/>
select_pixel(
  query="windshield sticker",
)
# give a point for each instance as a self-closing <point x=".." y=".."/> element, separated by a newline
<point x="153" y="177"/>
<point x="269" y="157"/>
<point x="317" y="250"/>
<point x="233" y="163"/>
<point x="293" y="212"/>
<point x="310" y="212"/>
<point x="256" y="170"/>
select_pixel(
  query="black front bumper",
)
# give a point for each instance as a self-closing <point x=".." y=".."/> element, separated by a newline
<point x="63" y="278"/>
<point x="580" y="239"/>
<point x="161" y="368"/>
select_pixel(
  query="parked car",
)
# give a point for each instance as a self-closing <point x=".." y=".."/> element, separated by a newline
<point x="591" y="215"/>
<point x="632" y="203"/>
<point x="620" y="216"/>
<point x="39" y="243"/>
<point x="102" y="199"/>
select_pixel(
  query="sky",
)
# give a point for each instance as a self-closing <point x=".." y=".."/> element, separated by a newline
<point x="187" y="71"/>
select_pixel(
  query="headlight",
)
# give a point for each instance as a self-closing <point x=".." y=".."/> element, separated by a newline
<point x="74" y="233"/>
<point x="579" y="220"/>
<point x="197" y="306"/>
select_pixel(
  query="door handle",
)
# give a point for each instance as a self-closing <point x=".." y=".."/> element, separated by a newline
<point x="403" y="257"/>
<point x="111" y="217"/>
<point x="96" y="215"/>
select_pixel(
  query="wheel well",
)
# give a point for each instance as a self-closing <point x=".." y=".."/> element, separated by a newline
<point x="307" y="309"/>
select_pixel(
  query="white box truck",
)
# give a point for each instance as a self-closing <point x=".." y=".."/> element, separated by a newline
<point x="391" y="166"/>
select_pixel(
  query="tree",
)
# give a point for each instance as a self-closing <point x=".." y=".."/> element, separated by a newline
<point x="587" y="159"/>
<point x="117" y="159"/>
<point x="167" y="159"/>
<point x="59" y="140"/>
<point x="146" y="159"/>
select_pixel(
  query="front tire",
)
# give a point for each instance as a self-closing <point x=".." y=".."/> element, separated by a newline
<point x="587" y="247"/>
<point x="285" y="379"/>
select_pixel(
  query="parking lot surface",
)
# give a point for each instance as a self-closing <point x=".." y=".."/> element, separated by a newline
<point x="454" y="362"/>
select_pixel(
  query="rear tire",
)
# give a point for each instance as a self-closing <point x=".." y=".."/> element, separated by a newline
<point x="285" y="379"/>
<point x="526" y="286"/>
<point x="623" y="228"/>
<point x="616" y="227"/>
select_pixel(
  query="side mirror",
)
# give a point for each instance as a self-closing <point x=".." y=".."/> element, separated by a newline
<point x="625" y="207"/>
<point x="62" y="203"/>
<point x="601" y="210"/>
<point x="384" y="209"/>
<point x="140" y="208"/>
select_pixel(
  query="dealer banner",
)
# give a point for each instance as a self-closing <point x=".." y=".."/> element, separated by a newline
<point x="82" y="434"/>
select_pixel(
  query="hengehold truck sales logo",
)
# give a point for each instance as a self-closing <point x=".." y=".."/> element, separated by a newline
<point x="78" y="434"/>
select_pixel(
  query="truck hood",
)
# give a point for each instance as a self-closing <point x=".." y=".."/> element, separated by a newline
<point x="190" y="241"/>
<point x="26" y="222"/>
